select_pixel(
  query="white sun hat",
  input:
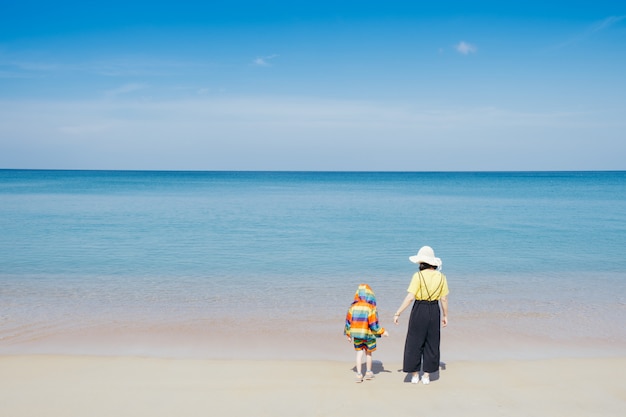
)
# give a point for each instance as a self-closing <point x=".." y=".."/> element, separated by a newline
<point x="426" y="255"/>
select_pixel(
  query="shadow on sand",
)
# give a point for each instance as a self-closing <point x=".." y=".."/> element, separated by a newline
<point x="433" y="375"/>
<point x="377" y="367"/>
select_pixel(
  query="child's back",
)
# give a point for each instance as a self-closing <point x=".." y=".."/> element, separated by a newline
<point x="362" y="317"/>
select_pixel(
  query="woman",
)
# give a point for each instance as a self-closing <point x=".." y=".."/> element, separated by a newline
<point x="427" y="291"/>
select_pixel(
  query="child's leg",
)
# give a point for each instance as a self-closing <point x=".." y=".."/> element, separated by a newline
<point x="368" y="363"/>
<point x="359" y="360"/>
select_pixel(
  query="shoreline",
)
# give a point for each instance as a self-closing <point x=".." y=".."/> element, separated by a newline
<point x="460" y="342"/>
<point x="73" y="385"/>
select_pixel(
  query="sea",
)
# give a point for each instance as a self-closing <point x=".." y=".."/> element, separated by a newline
<point x="263" y="265"/>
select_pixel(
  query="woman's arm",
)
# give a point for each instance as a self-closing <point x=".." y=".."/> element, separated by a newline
<point x="407" y="301"/>
<point x="444" y="309"/>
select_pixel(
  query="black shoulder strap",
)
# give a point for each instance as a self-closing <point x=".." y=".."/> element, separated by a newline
<point x="437" y="292"/>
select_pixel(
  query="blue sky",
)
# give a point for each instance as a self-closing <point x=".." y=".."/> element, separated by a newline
<point x="277" y="85"/>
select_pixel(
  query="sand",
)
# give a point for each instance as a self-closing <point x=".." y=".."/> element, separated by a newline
<point x="39" y="385"/>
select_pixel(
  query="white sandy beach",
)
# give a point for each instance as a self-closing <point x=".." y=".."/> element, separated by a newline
<point x="132" y="386"/>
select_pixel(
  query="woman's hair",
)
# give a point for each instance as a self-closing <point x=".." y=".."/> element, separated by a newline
<point x="424" y="265"/>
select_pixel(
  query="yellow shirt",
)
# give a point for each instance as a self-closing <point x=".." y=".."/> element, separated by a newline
<point x="429" y="285"/>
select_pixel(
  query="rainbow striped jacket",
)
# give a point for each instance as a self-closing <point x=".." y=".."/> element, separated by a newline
<point x="362" y="317"/>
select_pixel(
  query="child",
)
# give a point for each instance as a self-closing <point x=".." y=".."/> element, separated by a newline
<point x="362" y="328"/>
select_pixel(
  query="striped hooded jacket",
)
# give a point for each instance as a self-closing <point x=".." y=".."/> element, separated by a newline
<point x="362" y="317"/>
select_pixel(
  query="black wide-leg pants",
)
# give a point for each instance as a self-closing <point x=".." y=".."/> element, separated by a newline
<point x="423" y="338"/>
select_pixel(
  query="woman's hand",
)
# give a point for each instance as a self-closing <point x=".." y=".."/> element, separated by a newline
<point x="444" y="311"/>
<point x="410" y="297"/>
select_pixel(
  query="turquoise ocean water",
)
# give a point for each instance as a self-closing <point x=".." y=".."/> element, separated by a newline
<point x="99" y="261"/>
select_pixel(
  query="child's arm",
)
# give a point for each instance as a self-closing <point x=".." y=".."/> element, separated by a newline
<point x="346" y="329"/>
<point x="374" y="325"/>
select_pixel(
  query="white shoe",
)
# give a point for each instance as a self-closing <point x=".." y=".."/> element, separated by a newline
<point x="415" y="379"/>
<point x="425" y="380"/>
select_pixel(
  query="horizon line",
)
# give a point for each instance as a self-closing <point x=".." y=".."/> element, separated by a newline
<point x="309" y="171"/>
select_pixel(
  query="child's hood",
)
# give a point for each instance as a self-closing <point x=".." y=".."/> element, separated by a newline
<point x="364" y="294"/>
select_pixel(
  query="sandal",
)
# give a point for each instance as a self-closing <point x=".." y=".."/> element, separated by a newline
<point x="369" y="375"/>
<point x="358" y="378"/>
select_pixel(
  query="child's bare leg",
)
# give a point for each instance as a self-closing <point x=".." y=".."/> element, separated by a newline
<point x="359" y="360"/>
<point x="368" y="361"/>
<point x="368" y="364"/>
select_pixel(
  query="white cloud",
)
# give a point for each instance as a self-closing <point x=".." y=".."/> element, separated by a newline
<point x="84" y="129"/>
<point x="23" y="68"/>
<point x="593" y="29"/>
<point x="293" y="133"/>
<point x="606" y="23"/>
<point x="34" y="66"/>
<point x="465" y="48"/>
<point x="125" y="89"/>
<point x="264" y="61"/>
